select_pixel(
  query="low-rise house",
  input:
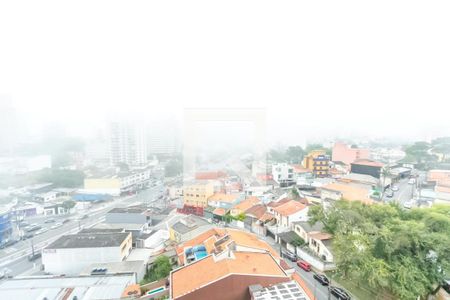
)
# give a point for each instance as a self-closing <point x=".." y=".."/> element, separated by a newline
<point x="303" y="229"/>
<point x="320" y="243"/>
<point x="217" y="240"/>
<point x="55" y="209"/>
<point x="283" y="174"/>
<point x="342" y="191"/>
<point x="226" y="275"/>
<point x="256" y="217"/>
<point x="221" y="200"/>
<point x="289" y="212"/>
<point x="244" y="205"/>
<point x="188" y="227"/>
<point x="70" y="254"/>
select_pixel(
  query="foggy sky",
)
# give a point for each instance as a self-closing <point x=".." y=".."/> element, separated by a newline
<point x="321" y="69"/>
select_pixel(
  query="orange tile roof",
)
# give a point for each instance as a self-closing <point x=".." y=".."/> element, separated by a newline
<point x="247" y="203"/>
<point x="289" y="208"/>
<point x="221" y="197"/>
<point x="278" y="203"/>
<point x="256" y="211"/>
<point x="204" y="271"/>
<point x="349" y="192"/>
<point x="220" y="211"/>
<point x="304" y="286"/>
<point x="266" y="217"/>
<point x="243" y="238"/>
<point x="131" y="290"/>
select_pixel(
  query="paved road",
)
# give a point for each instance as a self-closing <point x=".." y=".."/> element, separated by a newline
<point x="404" y="194"/>
<point x="15" y="257"/>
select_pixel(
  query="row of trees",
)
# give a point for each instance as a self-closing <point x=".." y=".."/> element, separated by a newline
<point x="404" y="253"/>
<point x="426" y="154"/>
<point x="294" y="154"/>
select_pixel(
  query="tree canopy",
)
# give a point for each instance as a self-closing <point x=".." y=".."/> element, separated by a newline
<point x="160" y="269"/>
<point x="405" y="253"/>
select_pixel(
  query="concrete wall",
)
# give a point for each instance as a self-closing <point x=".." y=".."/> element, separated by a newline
<point x="314" y="261"/>
<point x="73" y="261"/>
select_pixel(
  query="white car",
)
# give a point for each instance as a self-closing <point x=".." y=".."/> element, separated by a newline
<point x="412" y="181"/>
<point x="41" y="231"/>
<point x="57" y="225"/>
<point x="394" y="188"/>
<point x="408" y="204"/>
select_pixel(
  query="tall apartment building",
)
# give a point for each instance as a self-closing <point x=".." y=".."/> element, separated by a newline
<point x="318" y="162"/>
<point x="128" y="144"/>
<point x="162" y="137"/>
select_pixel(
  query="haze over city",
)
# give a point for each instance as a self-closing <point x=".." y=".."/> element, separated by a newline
<point x="234" y="150"/>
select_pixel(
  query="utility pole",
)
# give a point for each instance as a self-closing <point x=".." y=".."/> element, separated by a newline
<point x="32" y="248"/>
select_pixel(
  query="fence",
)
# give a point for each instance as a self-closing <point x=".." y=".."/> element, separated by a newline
<point x="314" y="261"/>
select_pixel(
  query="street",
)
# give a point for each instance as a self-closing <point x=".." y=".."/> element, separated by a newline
<point x="15" y="257"/>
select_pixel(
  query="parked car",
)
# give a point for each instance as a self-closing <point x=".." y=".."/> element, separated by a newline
<point x="5" y="273"/>
<point x="389" y="193"/>
<point x="50" y="221"/>
<point x="289" y="255"/>
<point x="411" y="181"/>
<point x="83" y="217"/>
<point x="27" y="235"/>
<point x="66" y="221"/>
<point x="304" y="265"/>
<point x="32" y="228"/>
<point x="322" y="279"/>
<point x="8" y="243"/>
<point x="41" y="231"/>
<point x="33" y="257"/>
<point x="408" y="204"/>
<point x="340" y="293"/>
<point x="56" y="225"/>
<point x="394" y="188"/>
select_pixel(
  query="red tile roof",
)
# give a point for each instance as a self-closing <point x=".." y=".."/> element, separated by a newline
<point x="187" y="279"/>
<point x="256" y="211"/>
<point x="289" y="208"/>
<point x="368" y="162"/>
<point x="278" y="203"/>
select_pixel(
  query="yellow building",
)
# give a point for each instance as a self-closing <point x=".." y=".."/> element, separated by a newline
<point x="318" y="162"/>
<point x="111" y="186"/>
<point x="197" y="194"/>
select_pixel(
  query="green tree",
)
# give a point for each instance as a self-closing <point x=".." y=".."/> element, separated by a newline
<point x="294" y="154"/>
<point x="174" y="167"/>
<point x="311" y="147"/>
<point x="442" y="146"/>
<point x="68" y="204"/>
<point x="160" y="269"/>
<point x="405" y="253"/>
